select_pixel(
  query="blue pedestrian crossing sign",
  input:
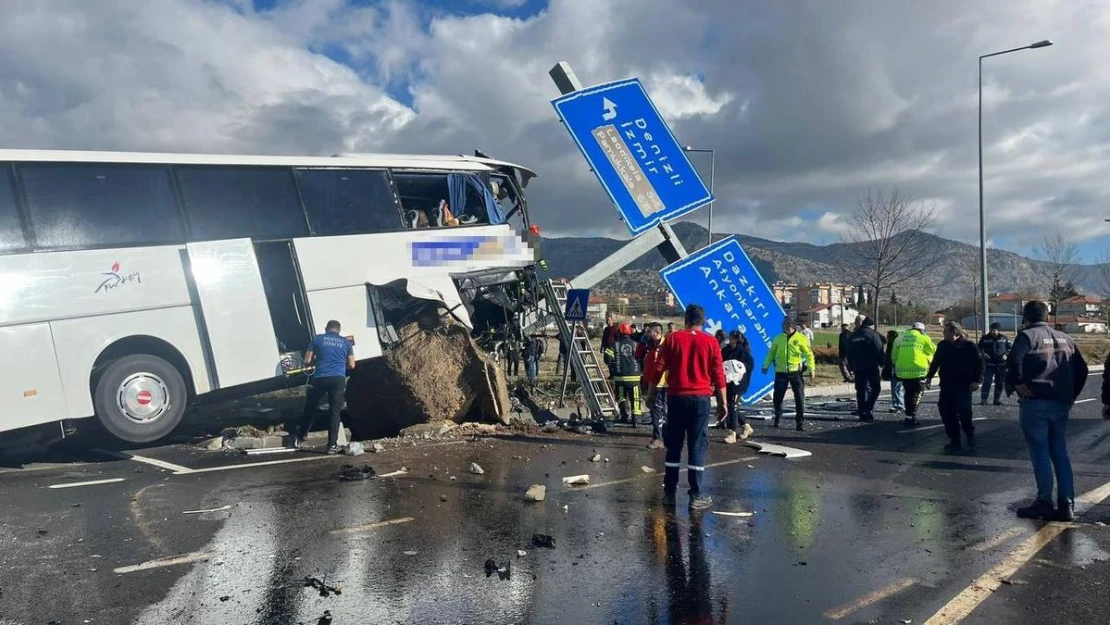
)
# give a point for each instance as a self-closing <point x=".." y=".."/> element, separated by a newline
<point x="633" y="153"/>
<point x="578" y="300"/>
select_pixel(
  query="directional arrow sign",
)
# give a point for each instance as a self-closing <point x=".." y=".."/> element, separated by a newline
<point x="633" y="153"/>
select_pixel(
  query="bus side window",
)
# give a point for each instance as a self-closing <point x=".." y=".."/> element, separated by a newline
<point x="428" y="202"/>
<point x="74" y="205"/>
<point x="11" y="231"/>
<point x="231" y="202"/>
<point x="348" y="201"/>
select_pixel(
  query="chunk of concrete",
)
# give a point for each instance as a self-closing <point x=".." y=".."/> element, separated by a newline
<point x="427" y="430"/>
<point x="595" y="458"/>
<point x="273" y="440"/>
<point x="246" y="442"/>
<point x="212" y="444"/>
<point x="536" y="492"/>
<point x="476" y="469"/>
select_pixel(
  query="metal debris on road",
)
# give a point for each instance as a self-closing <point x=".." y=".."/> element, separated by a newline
<point x="476" y="469"/>
<point x="536" y="492"/>
<point x="227" y="507"/>
<point x="324" y="589"/>
<point x="742" y="515"/>
<point x="543" y="540"/>
<point x="576" y="479"/>
<point x="351" y="473"/>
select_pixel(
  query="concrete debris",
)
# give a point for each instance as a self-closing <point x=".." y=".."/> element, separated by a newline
<point x="476" y="469"/>
<point x="351" y="473"/>
<point x="606" y="460"/>
<point x="245" y="442"/>
<point x="536" y="492"/>
<point x="377" y="448"/>
<point x="426" y="430"/>
<point x="354" y="449"/>
<point x="409" y="553"/>
<point x="504" y="570"/>
<point x="520" y="553"/>
<point x="212" y="444"/>
<point x="576" y="479"/>
<point x="443" y="497"/>
<point x="595" y="458"/>
<point x="742" y="515"/>
<point x="543" y="540"/>
<point x="324" y="589"/>
<point x="402" y="471"/>
<point x="646" y="469"/>
<point x="1100" y="524"/>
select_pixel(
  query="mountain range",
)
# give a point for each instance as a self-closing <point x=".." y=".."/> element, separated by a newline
<point x="952" y="279"/>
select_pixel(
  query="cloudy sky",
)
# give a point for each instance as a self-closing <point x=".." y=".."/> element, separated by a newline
<point x="807" y="103"/>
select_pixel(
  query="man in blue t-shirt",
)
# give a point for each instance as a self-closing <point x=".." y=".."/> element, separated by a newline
<point x="333" y="355"/>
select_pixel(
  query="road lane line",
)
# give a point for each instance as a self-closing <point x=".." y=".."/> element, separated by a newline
<point x="369" y="526"/>
<point x="227" y="507"/>
<point x="963" y="604"/>
<point x="161" y="464"/>
<point x="258" y="464"/>
<point x="1083" y="401"/>
<point x="875" y="597"/>
<point x="999" y="540"/>
<point x="88" y="483"/>
<point x="657" y="474"/>
<point x="932" y="427"/>
<point x="187" y="558"/>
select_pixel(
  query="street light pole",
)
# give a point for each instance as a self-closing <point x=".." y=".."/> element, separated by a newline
<point x="712" y="171"/>
<point x="985" y="294"/>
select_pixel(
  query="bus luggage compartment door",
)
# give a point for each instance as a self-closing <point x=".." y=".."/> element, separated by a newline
<point x="235" y="311"/>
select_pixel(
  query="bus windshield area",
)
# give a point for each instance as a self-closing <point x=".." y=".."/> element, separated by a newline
<point x="434" y="200"/>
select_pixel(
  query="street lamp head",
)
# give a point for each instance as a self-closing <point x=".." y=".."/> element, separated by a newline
<point x="1040" y="44"/>
<point x="688" y="148"/>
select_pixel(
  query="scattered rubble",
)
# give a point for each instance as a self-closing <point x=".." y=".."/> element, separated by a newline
<point x="476" y="469"/>
<point x="543" y="540"/>
<point x="377" y="448"/>
<point x="576" y="479"/>
<point x="351" y="473"/>
<point x="355" y="449"/>
<point x="520" y="553"/>
<point x="324" y="589"/>
<point x="647" y="469"/>
<point x="595" y="458"/>
<point x="536" y="492"/>
<point x="504" y="571"/>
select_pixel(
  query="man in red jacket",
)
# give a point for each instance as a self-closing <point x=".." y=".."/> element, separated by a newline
<point x="692" y="362"/>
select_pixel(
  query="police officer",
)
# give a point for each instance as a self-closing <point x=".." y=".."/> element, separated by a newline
<point x="1047" y="372"/>
<point x="913" y="352"/>
<point x="333" y="356"/>
<point x="790" y="353"/>
<point x="865" y="357"/>
<point x="625" y="371"/>
<point x="995" y="348"/>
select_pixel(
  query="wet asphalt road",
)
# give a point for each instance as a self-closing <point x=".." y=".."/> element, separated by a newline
<point x="878" y="526"/>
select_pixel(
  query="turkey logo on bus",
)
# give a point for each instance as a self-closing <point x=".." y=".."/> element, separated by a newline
<point x="115" y="278"/>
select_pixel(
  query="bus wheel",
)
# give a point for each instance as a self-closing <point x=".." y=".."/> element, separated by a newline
<point x="140" y="398"/>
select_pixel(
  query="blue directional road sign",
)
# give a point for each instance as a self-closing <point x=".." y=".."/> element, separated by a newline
<point x="633" y="152"/>
<point x="577" y="302"/>
<point x="722" y="279"/>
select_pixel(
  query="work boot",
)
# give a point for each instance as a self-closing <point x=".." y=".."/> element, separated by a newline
<point x="748" y="431"/>
<point x="1065" y="511"/>
<point x="655" y="444"/>
<point x="701" y="502"/>
<point x="668" y="499"/>
<point x="1037" y="510"/>
<point x="800" y="426"/>
<point x="731" y="438"/>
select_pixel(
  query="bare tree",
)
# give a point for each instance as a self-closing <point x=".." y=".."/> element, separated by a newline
<point x="1060" y="256"/>
<point x="887" y="246"/>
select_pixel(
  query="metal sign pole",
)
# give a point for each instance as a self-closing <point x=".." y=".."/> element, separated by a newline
<point x="566" y="369"/>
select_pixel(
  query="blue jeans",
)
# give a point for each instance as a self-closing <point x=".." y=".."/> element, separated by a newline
<point x="530" y="369"/>
<point x="1045" y="425"/>
<point x="993" y="375"/>
<point x="897" y="395"/>
<point x="687" y="418"/>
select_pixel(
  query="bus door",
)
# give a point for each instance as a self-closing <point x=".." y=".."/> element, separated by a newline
<point x="285" y="295"/>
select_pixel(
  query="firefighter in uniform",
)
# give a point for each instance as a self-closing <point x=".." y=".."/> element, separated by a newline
<point x="625" y="371"/>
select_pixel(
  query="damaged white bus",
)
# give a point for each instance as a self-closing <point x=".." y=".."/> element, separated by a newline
<point x="133" y="283"/>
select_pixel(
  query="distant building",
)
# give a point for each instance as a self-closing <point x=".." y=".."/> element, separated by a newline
<point x="939" y="317"/>
<point x="784" y="293"/>
<point x="1080" y="306"/>
<point x="1080" y="324"/>
<point x="811" y="296"/>
<point x="828" y="316"/>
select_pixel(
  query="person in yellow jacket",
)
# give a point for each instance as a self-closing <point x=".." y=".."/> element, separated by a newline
<point x="791" y="354"/>
<point x="911" y="356"/>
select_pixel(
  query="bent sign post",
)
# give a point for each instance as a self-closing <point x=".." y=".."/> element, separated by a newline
<point x="722" y="279"/>
<point x="633" y="153"/>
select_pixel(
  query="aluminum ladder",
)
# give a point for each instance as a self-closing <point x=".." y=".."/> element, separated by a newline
<point x="581" y="355"/>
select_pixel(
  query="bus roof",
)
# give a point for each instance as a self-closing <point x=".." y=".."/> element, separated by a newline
<point x="398" y="161"/>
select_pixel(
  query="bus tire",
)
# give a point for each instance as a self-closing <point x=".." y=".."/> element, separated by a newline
<point x="140" y="398"/>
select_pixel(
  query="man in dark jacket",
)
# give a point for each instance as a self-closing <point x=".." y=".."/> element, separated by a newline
<point x="1048" y="373"/>
<point x="995" y="348"/>
<point x="961" y="367"/>
<point x="843" y="349"/>
<point x="865" y="356"/>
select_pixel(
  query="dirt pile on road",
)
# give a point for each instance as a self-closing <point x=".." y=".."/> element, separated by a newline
<point x="436" y="372"/>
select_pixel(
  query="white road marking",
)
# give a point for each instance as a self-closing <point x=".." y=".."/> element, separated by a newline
<point x="187" y="558"/>
<point x="963" y="604"/>
<point x="866" y="600"/>
<point x="257" y="464"/>
<point x="636" y="478"/>
<point x="161" y="464"/>
<point x="227" y="507"/>
<point x="369" y="526"/>
<point x="931" y="427"/>
<point x="999" y="540"/>
<point x="1083" y="401"/>
<point x="89" y="483"/>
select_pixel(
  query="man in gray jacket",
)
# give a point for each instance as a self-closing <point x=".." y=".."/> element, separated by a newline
<point x="1047" y="372"/>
